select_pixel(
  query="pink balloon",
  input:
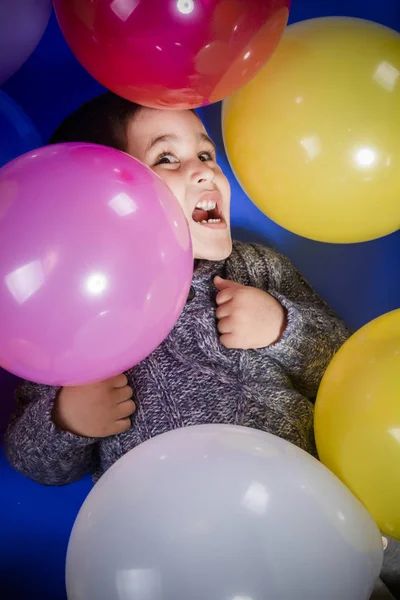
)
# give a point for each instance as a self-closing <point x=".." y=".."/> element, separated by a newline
<point x="95" y="263"/>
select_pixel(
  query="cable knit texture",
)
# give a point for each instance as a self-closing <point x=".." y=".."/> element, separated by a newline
<point x="192" y="379"/>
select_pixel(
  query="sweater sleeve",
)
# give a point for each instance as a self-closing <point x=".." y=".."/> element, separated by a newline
<point x="37" y="448"/>
<point x="313" y="333"/>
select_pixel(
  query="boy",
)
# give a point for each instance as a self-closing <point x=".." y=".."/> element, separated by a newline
<point x="250" y="347"/>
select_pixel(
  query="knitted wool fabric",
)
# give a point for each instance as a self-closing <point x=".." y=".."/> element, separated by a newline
<point x="192" y="379"/>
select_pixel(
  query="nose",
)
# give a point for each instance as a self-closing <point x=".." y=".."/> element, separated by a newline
<point x="201" y="172"/>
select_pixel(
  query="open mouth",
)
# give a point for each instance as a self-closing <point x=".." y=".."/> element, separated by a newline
<point x="208" y="212"/>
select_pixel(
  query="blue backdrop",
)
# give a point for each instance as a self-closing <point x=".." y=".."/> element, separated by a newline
<point x="360" y="281"/>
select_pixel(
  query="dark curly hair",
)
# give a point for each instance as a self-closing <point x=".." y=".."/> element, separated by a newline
<point x="101" y="120"/>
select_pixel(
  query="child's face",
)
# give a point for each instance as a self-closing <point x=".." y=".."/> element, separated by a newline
<point x="176" y="146"/>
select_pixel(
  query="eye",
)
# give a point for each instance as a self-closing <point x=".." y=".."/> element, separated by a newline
<point x="205" y="156"/>
<point x="166" y="158"/>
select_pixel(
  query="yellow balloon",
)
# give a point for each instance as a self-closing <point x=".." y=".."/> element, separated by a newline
<point x="357" y="418"/>
<point x="314" y="138"/>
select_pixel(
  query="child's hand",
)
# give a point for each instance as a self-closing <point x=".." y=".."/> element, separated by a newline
<point x="96" y="410"/>
<point x="247" y="317"/>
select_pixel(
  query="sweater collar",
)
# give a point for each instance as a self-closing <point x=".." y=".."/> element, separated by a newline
<point x="207" y="268"/>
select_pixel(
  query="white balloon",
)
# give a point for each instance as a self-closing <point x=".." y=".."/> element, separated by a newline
<point x="217" y="512"/>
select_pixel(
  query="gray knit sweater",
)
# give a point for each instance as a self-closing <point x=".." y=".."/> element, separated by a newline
<point x="192" y="379"/>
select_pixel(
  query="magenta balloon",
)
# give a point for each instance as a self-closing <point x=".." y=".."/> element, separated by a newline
<point x="95" y="263"/>
<point x="172" y="53"/>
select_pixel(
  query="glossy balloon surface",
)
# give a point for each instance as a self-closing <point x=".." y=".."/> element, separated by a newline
<point x="172" y="53"/>
<point x="221" y="513"/>
<point x="95" y="263"/>
<point x="357" y="418"/>
<point x="314" y="138"/>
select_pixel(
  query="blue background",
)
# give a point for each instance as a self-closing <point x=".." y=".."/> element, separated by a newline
<point x="360" y="281"/>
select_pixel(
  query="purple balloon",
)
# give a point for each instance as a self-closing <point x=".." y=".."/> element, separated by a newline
<point x="22" y="24"/>
<point x="95" y="263"/>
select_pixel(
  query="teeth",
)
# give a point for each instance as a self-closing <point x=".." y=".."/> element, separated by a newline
<point x="211" y="221"/>
<point x="206" y="205"/>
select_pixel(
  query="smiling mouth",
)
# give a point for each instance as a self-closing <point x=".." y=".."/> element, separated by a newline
<point x="207" y="211"/>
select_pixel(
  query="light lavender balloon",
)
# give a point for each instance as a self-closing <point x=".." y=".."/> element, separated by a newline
<point x="219" y="512"/>
<point x="22" y="24"/>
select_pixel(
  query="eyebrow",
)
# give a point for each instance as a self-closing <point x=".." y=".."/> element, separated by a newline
<point x="206" y="138"/>
<point x="171" y="137"/>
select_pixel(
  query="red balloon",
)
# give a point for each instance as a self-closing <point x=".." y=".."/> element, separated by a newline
<point x="172" y="53"/>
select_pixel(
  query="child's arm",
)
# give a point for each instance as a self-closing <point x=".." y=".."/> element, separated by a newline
<point x="38" y="449"/>
<point x="313" y="333"/>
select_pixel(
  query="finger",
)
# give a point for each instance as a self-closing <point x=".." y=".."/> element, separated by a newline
<point x="225" y="296"/>
<point x="225" y="325"/>
<point x="228" y="341"/>
<point x="125" y="409"/>
<point x="223" y="284"/>
<point x="123" y="394"/>
<point x="119" y="381"/>
<point x="223" y="311"/>
<point x="122" y="425"/>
